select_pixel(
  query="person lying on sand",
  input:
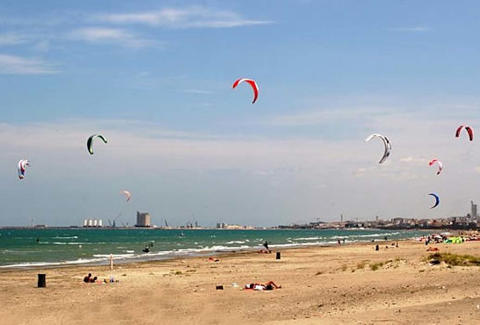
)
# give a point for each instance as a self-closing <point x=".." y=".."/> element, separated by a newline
<point x="87" y="278"/>
<point x="270" y="285"/>
<point x="213" y="259"/>
<point x="264" y="251"/>
<point x="93" y="280"/>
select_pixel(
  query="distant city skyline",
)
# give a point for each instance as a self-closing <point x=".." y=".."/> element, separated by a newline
<point x="155" y="79"/>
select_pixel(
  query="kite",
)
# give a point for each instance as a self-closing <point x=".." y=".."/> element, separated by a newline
<point x="469" y="131"/>
<point x="440" y="165"/>
<point x="252" y="83"/>
<point x="21" y="168"/>
<point x="386" y="142"/>
<point x="90" y="142"/>
<point x="437" y="200"/>
<point x="127" y="194"/>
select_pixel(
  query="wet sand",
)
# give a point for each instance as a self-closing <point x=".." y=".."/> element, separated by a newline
<point x="320" y="285"/>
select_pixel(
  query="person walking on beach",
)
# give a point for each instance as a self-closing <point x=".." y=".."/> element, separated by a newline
<point x="265" y="244"/>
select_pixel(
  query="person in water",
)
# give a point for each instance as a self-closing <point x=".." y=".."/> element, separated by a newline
<point x="270" y="285"/>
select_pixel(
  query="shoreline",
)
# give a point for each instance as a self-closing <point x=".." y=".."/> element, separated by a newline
<point x="226" y="253"/>
<point x="220" y="254"/>
<point x="172" y="255"/>
<point x="223" y="254"/>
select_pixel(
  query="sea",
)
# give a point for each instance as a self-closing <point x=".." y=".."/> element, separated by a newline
<point x="33" y="248"/>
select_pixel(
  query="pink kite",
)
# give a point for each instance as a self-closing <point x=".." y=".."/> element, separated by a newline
<point x="440" y="165"/>
<point x="127" y="194"/>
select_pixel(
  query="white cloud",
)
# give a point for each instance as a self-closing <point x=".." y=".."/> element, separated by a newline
<point x="110" y="35"/>
<point x="10" y="64"/>
<point x="176" y="149"/>
<point x="38" y="41"/>
<point x="414" y="160"/>
<point x="322" y="116"/>
<point x="192" y="17"/>
<point x="11" y="39"/>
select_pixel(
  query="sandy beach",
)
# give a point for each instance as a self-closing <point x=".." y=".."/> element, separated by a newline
<point x="351" y="284"/>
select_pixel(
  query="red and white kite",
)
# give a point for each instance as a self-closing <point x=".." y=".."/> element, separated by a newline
<point x="127" y="194"/>
<point x="440" y="165"/>
<point x="252" y="83"/>
<point x="469" y="130"/>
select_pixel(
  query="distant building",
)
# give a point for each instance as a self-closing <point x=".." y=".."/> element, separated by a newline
<point x="222" y="225"/>
<point x="143" y="219"/>
<point x="92" y="223"/>
<point x="473" y="210"/>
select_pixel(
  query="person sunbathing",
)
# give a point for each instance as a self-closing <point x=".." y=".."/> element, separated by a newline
<point x="213" y="259"/>
<point x="87" y="278"/>
<point x="270" y="285"/>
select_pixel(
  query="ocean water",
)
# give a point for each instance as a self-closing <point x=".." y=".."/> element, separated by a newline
<point x="24" y="248"/>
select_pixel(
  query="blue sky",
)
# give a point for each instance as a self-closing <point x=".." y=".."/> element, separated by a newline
<point x="155" y="78"/>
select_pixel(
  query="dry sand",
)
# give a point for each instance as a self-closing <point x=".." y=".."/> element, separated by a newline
<point x="320" y="285"/>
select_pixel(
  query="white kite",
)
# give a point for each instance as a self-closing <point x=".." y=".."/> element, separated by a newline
<point x="386" y="142"/>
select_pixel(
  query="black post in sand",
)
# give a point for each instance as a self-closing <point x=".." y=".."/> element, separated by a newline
<point x="42" y="281"/>
<point x="278" y="256"/>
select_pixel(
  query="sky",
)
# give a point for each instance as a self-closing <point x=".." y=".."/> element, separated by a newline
<point x="155" y="78"/>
